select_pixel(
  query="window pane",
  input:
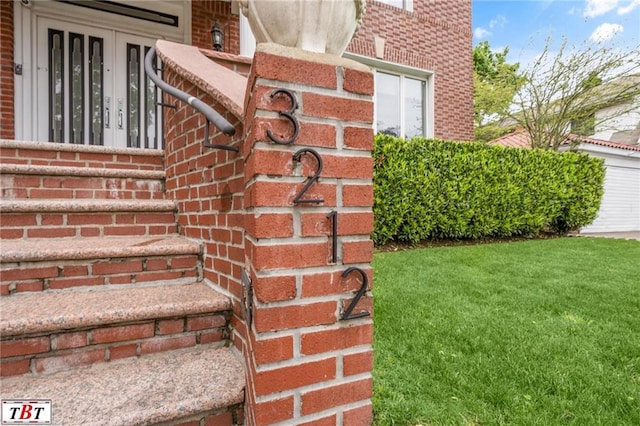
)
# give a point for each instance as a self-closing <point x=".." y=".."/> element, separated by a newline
<point x="413" y="107"/>
<point x="388" y="104"/>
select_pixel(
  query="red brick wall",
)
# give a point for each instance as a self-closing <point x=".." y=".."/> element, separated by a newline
<point x="436" y="36"/>
<point x="7" y="120"/>
<point x="204" y="14"/>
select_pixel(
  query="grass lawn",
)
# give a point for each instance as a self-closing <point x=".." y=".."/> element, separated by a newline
<point x="543" y="332"/>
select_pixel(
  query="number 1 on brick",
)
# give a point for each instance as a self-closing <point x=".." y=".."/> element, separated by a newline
<point x="333" y="216"/>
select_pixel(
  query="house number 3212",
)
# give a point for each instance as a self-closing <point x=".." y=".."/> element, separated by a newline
<point x="289" y="115"/>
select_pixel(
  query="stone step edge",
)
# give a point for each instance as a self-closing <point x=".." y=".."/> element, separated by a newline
<point x="157" y="388"/>
<point x="116" y="173"/>
<point x="39" y="313"/>
<point x="86" y="205"/>
<point x="62" y="147"/>
<point x="53" y="249"/>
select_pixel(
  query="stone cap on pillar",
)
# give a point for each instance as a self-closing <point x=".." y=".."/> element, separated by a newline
<point x="324" y="26"/>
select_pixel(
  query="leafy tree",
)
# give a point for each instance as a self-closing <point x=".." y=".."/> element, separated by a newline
<point x="567" y="91"/>
<point x="495" y="83"/>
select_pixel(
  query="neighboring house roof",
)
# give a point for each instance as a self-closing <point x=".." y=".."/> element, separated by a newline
<point x="520" y="139"/>
<point x="516" y="139"/>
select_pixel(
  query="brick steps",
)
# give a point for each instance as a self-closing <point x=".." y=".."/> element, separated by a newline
<point x="54" y="218"/>
<point x="204" y="383"/>
<point x="51" y="331"/>
<point x="103" y="308"/>
<point x="25" y="181"/>
<point x="43" y="264"/>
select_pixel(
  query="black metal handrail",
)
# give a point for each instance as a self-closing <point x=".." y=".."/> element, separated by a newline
<point x="210" y="114"/>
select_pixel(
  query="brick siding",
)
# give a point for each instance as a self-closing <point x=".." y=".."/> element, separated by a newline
<point x="204" y="14"/>
<point x="436" y="36"/>
<point x="7" y="121"/>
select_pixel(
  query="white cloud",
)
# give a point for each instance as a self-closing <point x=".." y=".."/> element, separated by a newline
<point x="623" y="10"/>
<point x="499" y="22"/>
<point x="606" y="32"/>
<point x="573" y="11"/>
<point x="481" y="33"/>
<point x="599" y="7"/>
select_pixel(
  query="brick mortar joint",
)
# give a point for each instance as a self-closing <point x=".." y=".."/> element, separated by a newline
<point x="313" y="387"/>
<point x="339" y="152"/>
<point x="299" y="88"/>
<point x="308" y="301"/>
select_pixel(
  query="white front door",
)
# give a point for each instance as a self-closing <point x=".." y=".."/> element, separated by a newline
<point x="138" y="123"/>
<point x="92" y="89"/>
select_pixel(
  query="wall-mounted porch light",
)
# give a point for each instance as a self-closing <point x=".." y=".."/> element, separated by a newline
<point x="217" y="37"/>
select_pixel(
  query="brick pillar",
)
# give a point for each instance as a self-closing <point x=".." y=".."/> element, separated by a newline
<point x="304" y="361"/>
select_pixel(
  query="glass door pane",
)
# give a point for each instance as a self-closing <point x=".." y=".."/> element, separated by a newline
<point x="56" y="85"/>
<point x="150" y="108"/>
<point x="133" y="96"/>
<point x="76" y="87"/>
<point x="96" y="91"/>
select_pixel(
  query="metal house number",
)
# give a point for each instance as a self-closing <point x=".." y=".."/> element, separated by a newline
<point x="289" y="115"/>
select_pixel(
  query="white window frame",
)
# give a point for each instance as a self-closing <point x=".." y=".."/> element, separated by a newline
<point x="247" y="39"/>
<point x="406" y="4"/>
<point x="404" y="71"/>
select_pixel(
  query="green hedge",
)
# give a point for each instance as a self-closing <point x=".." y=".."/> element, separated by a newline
<point x="441" y="189"/>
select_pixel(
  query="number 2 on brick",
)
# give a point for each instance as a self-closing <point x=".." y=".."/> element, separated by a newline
<point x="363" y="288"/>
<point x="297" y="157"/>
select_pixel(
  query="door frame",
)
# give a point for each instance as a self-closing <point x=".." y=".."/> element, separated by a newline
<point x="26" y="14"/>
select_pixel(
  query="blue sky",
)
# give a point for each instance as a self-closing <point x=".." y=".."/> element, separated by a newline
<point x="523" y="25"/>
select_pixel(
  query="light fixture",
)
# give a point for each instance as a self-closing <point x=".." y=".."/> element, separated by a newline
<point x="217" y="37"/>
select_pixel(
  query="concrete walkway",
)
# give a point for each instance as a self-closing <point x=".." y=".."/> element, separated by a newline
<point x="629" y="235"/>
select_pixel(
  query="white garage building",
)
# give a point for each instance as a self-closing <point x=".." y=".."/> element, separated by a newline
<point x="620" y="207"/>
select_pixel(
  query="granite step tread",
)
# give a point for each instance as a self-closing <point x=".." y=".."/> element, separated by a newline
<point x="139" y="391"/>
<point x="44" y="170"/>
<point x="45" y="249"/>
<point x="44" y="312"/>
<point x="65" y="147"/>
<point x="86" y="205"/>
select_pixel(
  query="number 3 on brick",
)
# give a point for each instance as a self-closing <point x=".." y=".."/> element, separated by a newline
<point x="288" y="115"/>
<point x="363" y="288"/>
